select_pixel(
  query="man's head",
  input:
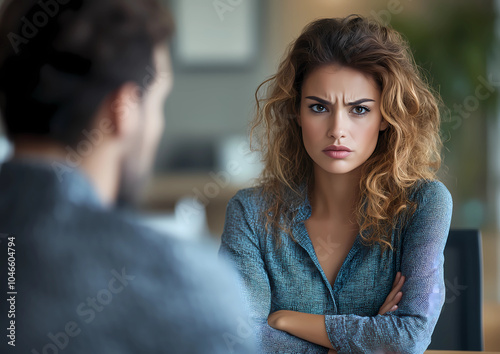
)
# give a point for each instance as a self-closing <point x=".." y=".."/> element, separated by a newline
<point x="88" y="75"/>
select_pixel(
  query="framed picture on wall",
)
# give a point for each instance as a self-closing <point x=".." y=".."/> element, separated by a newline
<point x="215" y="33"/>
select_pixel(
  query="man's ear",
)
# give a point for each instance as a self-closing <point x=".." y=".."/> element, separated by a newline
<point x="124" y="109"/>
<point x="383" y="125"/>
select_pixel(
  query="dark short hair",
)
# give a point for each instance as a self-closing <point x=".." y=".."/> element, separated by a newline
<point x="60" y="58"/>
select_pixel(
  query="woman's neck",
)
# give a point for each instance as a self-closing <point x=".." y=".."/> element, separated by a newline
<point x="335" y="197"/>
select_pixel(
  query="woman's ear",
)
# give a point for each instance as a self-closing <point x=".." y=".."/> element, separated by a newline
<point x="383" y="125"/>
<point x="299" y="121"/>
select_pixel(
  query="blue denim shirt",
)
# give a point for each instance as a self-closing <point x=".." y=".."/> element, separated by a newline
<point x="291" y="278"/>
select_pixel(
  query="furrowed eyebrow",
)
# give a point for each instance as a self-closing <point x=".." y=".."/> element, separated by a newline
<point x="320" y="100"/>
<point x="358" y="102"/>
<point x="328" y="103"/>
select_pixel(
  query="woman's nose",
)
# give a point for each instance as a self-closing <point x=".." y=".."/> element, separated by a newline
<point x="337" y="125"/>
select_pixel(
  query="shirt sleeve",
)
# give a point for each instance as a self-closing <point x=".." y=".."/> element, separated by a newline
<point x="241" y="246"/>
<point x="408" y="329"/>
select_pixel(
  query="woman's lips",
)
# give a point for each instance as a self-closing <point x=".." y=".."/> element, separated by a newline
<point x="337" y="151"/>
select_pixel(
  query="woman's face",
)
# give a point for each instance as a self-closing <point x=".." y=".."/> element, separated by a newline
<point x="340" y="118"/>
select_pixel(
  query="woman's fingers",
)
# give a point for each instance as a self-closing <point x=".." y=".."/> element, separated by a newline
<point x="391" y="305"/>
<point x="394" y="296"/>
<point x="396" y="279"/>
<point x="396" y="288"/>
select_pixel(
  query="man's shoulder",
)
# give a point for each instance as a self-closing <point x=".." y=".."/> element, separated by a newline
<point x="174" y="285"/>
<point x="127" y="233"/>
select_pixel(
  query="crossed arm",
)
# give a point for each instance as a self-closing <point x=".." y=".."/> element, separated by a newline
<point x="312" y="327"/>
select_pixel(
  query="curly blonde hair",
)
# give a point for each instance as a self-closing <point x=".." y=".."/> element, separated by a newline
<point x="407" y="151"/>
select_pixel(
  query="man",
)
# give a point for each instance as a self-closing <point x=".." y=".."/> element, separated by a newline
<point x="82" y="85"/>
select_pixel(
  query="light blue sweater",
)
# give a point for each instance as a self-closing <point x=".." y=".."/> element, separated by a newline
<point x="291" y="278"/>
<point x="91" y="279"/>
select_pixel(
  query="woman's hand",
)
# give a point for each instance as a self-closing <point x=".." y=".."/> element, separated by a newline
<point x="394" y="297"/>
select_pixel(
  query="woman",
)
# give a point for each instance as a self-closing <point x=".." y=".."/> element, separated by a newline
<point x="348" y="211"/>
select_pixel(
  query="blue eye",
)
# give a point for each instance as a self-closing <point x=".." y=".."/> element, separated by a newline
<point x="317" y="108"/>
<point x="360" y="110"/>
